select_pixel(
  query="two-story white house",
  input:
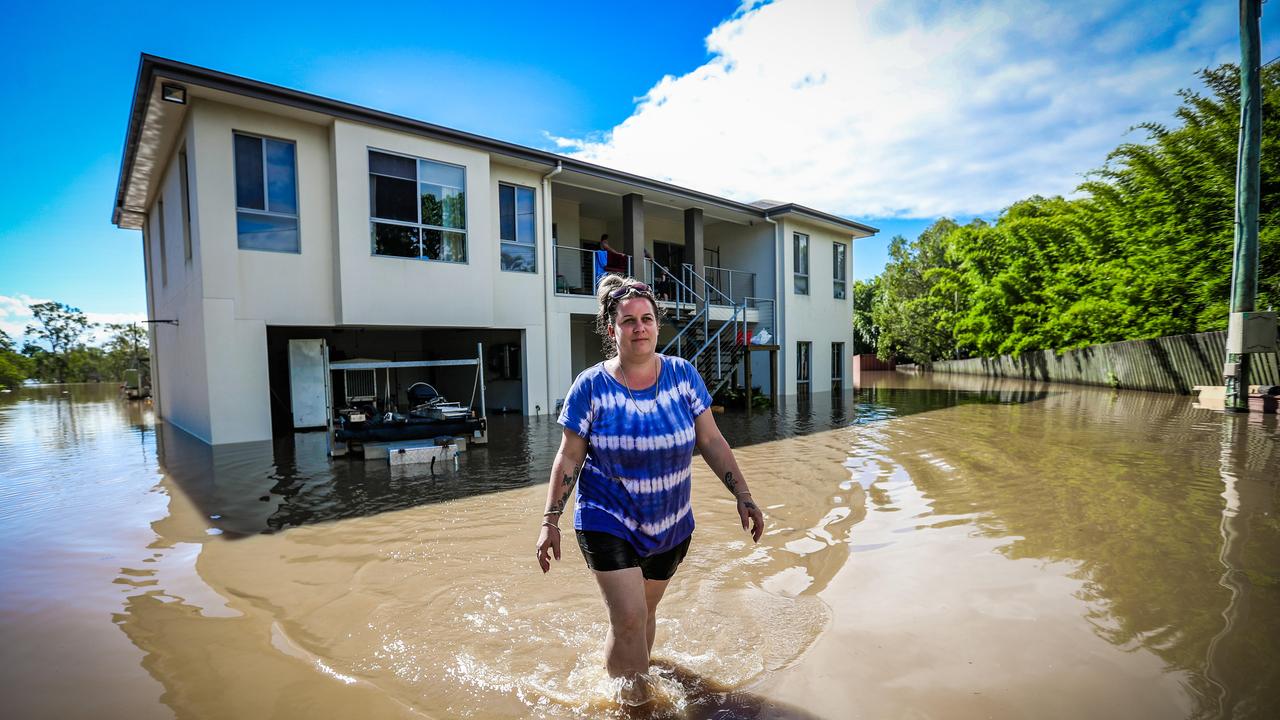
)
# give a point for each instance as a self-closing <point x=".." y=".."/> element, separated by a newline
<point x="271" y="215"/>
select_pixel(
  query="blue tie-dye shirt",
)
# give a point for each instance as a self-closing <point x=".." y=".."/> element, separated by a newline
<point x="635" y="482"/>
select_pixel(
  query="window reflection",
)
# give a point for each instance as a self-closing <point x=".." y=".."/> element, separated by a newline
<point x="266" y="175"/>
<point x="517" y="228"/>
<point x="395" y="240"/>
<point x="426" y="199"/>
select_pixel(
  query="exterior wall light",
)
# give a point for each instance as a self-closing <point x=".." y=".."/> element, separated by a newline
<point x="173" y="93"/>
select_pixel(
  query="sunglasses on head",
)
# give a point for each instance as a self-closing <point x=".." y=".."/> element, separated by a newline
<point x="637" y="287"/>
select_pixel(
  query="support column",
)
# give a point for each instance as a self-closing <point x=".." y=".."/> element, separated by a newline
<point x="633" y="233"/>
<point x="694" y="243"/>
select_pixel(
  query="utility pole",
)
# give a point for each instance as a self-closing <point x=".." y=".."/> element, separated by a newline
<point x="1244" y="265"/>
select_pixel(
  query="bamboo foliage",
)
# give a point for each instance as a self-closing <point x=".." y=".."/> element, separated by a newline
<point x="1144" y="251"/>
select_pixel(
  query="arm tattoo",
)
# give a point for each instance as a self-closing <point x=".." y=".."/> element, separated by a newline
<point x="567" y="482"/>
<point x="730" y="483"/>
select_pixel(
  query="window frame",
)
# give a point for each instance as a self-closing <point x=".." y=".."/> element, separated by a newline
<point x="515" y="205"/>
<point x="837" y="364"/>
<point x="797" y="275"/>
<point x="164" y="255"/>
<point x="185" y="187"/>
<point x="464" y="231"/>
<point x="804" y="361"/>
<point x="839" y="271"/>
<point x="266" y="201"/>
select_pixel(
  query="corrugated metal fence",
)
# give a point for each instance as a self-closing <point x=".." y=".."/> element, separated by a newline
<point x="1168" y="364"/>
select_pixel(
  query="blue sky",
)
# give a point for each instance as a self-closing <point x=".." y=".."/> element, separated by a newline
<point x="892" y="113"/>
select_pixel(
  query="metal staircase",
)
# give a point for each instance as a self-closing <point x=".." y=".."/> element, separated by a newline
<point x="715" y="350"/>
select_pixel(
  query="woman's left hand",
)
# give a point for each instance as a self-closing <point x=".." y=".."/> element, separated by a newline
<point x="748" y="510"/>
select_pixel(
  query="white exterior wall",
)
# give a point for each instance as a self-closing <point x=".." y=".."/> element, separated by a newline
<point x="817" y="317"/>
<point x="520" y="299"/>
<point x="245" y="290"/>
<point x="745" y="247"/>
<point x="281" y="288"/>
<point x="211" y="372"/>
<point x="176" y="289"/>
<point x="402" y="291"/>
<point x="751" y="248"/>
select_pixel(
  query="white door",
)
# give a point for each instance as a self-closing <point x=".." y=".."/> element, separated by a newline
<point x="308" y="382"/>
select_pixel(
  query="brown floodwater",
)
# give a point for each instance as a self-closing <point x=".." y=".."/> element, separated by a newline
<point x="938" y="547"/>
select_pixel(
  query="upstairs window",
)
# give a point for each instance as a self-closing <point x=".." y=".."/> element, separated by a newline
<point x="839" y="270"/>
<point x="801" y="245"/>
<point x="417" y="208"/>
<point x="517" y="228"/>
<point x="266" y="194"/>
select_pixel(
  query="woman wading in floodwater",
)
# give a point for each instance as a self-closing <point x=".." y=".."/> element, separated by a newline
<point x="631" y="424"/>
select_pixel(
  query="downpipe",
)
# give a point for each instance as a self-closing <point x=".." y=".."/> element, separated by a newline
<point x="548" y="285"/>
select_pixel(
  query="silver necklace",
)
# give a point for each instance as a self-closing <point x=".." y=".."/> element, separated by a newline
<point x="626" y="383"/>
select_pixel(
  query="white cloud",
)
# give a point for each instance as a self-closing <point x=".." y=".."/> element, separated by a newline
<point x="15" y="315"/>
<point x="887" y="108"/>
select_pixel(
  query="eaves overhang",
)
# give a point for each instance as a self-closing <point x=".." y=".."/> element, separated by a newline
<point x="152" y="67"/>
<point x="856" y="228"/>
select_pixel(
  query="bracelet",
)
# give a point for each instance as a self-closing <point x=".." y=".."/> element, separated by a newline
<point x="740" y="494"/>
<point x="552" y="512"/>
<point x="548" y="523"/>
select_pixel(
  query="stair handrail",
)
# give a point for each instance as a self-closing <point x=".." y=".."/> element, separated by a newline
<point x="677" y="340"/>
<point x="733" y="322"/>
<point x="728" y="274"/>
<point x="685" y="295"/>
<point x="706" y="284"/>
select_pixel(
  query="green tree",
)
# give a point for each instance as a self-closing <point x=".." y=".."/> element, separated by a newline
<point x="14" y="368"/>
<point x="910" y="317"/>
<point x="866" y="335"/>
<point x="1144" y="252"/>
<point x="62" y="328"/>
<point x="126" y="348"/>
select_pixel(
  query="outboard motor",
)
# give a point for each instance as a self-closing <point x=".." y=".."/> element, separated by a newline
<point x="421" y="393"/>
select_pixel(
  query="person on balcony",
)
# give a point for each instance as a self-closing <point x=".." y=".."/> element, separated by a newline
<point x="631" y="424"/>
<point x="615" y="262"/>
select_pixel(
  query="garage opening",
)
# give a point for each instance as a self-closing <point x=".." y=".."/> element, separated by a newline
<point x="503" y="367"/>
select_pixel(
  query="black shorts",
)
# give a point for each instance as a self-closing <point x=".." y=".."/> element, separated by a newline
<point x="605" y="552"/>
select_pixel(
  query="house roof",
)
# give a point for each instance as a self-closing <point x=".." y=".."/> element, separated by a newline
<point x="152" y="68"/>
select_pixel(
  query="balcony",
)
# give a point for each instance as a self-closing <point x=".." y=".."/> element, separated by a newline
<point x="576" y="270"/>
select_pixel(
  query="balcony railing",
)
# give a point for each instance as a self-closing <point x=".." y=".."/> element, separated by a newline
<point x="576" y="270"/>
<point x="670" y="287"/>
<point x="725" y="286"/>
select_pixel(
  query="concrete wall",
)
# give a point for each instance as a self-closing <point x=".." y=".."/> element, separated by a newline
<point x="284" y="288"/>
<point x="243" y="290"/>
<point x="817" y="317"/>
<point x="378" y="290"/>
<point x="745" y="247"/>
<point x="519" y="300"/>
<point x="176" y="289"/>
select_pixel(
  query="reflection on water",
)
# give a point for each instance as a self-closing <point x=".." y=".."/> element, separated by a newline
<point x="250" y="488"/>
<point x="959" y="547"/>
<point x="257" y="487"/>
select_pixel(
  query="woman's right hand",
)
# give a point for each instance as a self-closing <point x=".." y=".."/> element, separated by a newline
<point x="548" y="544"/>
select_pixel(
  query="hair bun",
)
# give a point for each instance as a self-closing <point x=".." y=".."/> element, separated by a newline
<point x="608" y="284"/>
